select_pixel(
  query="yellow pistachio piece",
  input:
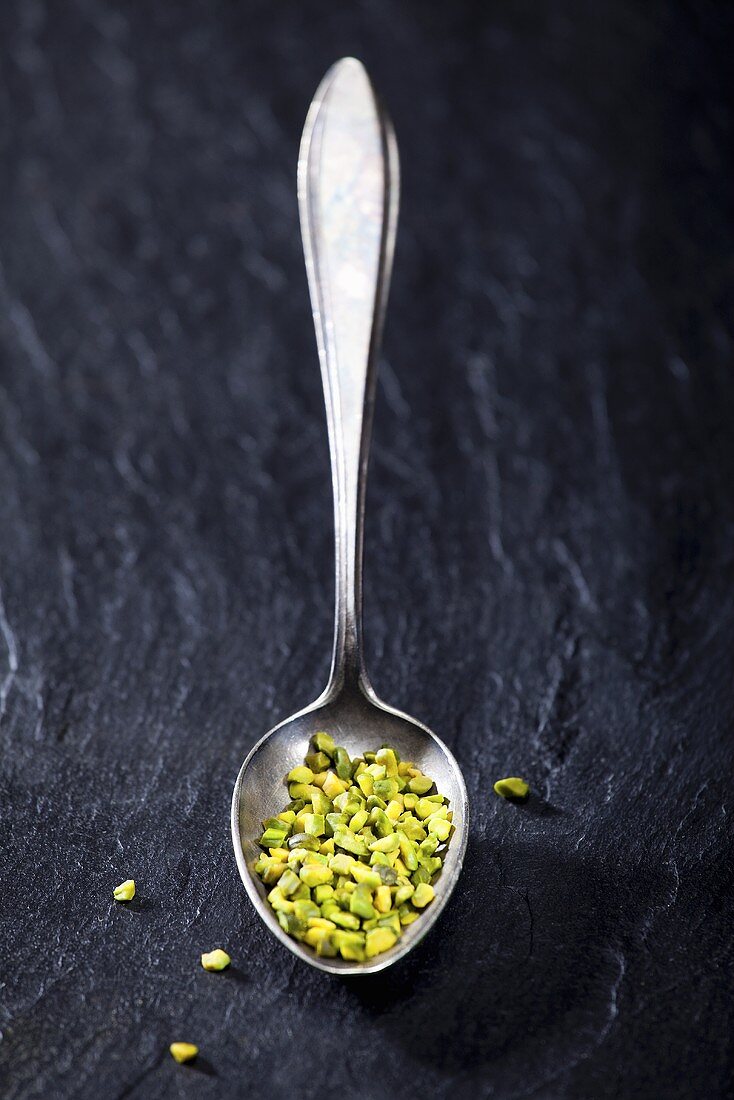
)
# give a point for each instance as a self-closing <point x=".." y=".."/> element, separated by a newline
<point x="125" y="891"/>
<point x="512" y="787"/>
<point x="183" y="1052"/>
<point x="423" y="894"/>
<point x="215" y="960"/>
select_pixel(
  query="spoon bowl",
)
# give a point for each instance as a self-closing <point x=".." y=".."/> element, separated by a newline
<point x="348" y="198"/>
<point x="358" y="721"/>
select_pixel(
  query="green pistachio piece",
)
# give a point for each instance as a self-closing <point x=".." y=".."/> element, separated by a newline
<point x="322" y="742"/>
<point x="385" y="788"/>
<point x="300" y="790"/>
<point x="379" y="940"/>
<point x="315" y="875"/>
<point x="380" y="822"/>
<point x="358" y="821"/>
<point x="288" y="883"/>
<point x="407" y="851"/>
<point x="364" y="874"/>
<point x="304" y="840"/>
<point x="320" y="802"/>
<point x="360" y="902"/>
<point x="437" y="826"/>
<point x="512" y="787"/>
<point x="387" y="758"/>
<point x="389" y="843"/>
<point x="327" y="946"/>
<point x="346" y="839"/>
<point x="342" y="763"/>
<point x="403" y="893"/>
<point x="273" y="838"/>
<point x="344" y="920"/>
<point x="364" y="782"/>
<point x="341" y="864"/>
<point x="424" y="893"/>
<point x="301" y="774"/>
<point x="420" y="784"/>
<point x="318" y="762"/>
<point x="313" y="824"/>
<point x="351" y="945"/>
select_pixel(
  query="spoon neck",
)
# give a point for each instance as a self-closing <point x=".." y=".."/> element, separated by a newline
<point x="347" y="665"/>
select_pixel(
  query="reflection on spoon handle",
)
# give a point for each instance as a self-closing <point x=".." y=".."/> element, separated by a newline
<point x="348" y="199"/>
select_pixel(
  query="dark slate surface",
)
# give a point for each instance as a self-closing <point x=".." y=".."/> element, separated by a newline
<point x="549" y="541"/>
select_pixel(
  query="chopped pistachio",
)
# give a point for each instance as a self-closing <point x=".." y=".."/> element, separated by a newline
<point x="215" y="960"/>
<point x="345" y="838"/>
<point x="317" y="762"/>
<point x="403" y="893"/>
<point x="344" y="920"/>
<point x="313" y="824"/>
<point x="351" y="945"/>
<point x="379" y="940"/>
<point x="341" y="864"/>
<point x="387" y="758"/>
<point x="512" y="787"/>
<point x="288" y="883"/>
<point x="382" y="899"/>
<point x="358" y="821"/>
<point x="407" y="851"/>
<point x="386" y="844"/>
<point x="273" y="838"/>
<point x="315" y="875"/>
<point x="304" y="840"/>
<point x="342" y="763"/>
<point x="365" y="782"/>
<point x="319" y="801"/>
<point x="183" y="1052"/>
<point x="351" y="859"/>
<point x="390" y="920"/>
<point x="300" y="790"/>
<point x="333" y="786"/>
<point x="301" y="774"/>
<point x="394" y="810"/>
<point x="424" y="893"/>
<point x="360" y="902"/>
<point x="362" y="873"/>
<point x="420" y="784"/>
<point x="387" y="875"/>
<point x="385" y="788"/>
<point x="125" y="891"/>
<point x="327" y="945"/>
<point x="322" y="742"/>
<point x="439" y="827"/>
<point x="322" y="892"/>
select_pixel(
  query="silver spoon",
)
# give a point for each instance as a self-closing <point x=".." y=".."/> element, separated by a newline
<point x="348" y="198"/>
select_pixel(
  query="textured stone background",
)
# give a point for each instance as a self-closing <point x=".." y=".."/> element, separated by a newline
<point x="550" y="536"/>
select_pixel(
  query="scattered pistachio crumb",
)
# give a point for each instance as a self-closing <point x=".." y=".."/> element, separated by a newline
<point x="125" y="891"/>
<point x="183" y="1052"/>
<point x="512" y="787"/>
<point x="215" y="960"/>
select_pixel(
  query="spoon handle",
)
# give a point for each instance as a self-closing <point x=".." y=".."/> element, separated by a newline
<point x="348" y="184"/>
